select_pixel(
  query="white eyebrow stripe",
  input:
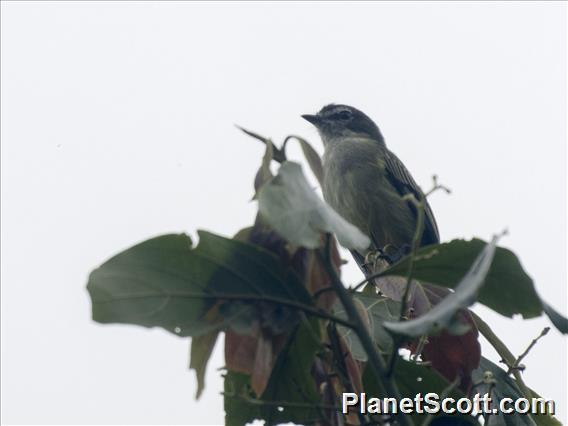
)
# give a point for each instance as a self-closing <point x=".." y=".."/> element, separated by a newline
<point x="336" y="110"/>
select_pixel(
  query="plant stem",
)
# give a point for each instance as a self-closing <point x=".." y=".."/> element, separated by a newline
<point x="377" y="363"/>
<point x="417" y="238"/>
<point x="415" y="246"/>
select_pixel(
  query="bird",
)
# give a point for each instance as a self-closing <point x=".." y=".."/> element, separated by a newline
<point x="366" y="183"/>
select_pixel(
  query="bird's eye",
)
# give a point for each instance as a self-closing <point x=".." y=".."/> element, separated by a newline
<point x="342" y="115"/>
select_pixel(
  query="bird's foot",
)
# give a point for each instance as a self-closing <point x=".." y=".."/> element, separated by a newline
<point x="370" y="259"/>
<point x="374" y="256"/>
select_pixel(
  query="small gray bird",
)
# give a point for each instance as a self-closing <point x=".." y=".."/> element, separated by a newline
<point x="365" y="182"/>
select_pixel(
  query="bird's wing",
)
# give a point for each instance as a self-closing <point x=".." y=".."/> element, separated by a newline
<point x="402" y="180"/>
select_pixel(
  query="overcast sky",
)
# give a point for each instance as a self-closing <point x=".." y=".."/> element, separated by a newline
<point x="117" y="125"/>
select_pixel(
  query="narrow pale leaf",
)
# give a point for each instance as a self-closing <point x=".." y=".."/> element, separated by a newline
<point x="508" y="289"/>
<point x="442" y="315"/>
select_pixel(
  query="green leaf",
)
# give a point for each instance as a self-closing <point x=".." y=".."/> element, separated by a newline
<point x="293" y="209"/>
<point x="290" y="384"/>
<point x="379" y="309"/>
<point x="165" y="282"/>
<point x="507" y="290"/>
<point x="442" y="315"/>
<point x="311" y="155"/>
<point x="504" y="386"/>
<point x="201" y="350"/>
<point x="413" y="379"/>
<point x="313" y="158"/>
<point x="559" y="321"/>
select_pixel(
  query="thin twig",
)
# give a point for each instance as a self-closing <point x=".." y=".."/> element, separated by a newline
<point x="517" y="362"/>
<point x="397" y="340"/>
<point x="437" y="186"/>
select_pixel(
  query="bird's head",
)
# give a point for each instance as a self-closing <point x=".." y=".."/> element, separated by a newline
<point x="338" y="121"/>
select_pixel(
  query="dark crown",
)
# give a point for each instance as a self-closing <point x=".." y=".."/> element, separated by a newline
<point x="350" y="118"/>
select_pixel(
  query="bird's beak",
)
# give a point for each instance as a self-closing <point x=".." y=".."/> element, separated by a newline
<point x="314" y="119"/>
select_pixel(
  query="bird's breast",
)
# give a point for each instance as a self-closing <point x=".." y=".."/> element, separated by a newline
<point x="352" y="170"/>
<point x="355" y="184"/>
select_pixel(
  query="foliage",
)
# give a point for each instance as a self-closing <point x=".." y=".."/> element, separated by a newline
<point x="295" y="337"/>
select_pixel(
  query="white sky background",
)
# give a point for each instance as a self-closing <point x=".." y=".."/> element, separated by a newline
<point x="117" y="125"/>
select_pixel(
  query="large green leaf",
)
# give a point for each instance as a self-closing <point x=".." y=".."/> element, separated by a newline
<point x="291" y="394"/>
<point x="166" y="282"/>
<point x="292" y="208"/>
<point x="443" y="314"/>
<point x="504" y="386"/>
<point x="507" y="290"/>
